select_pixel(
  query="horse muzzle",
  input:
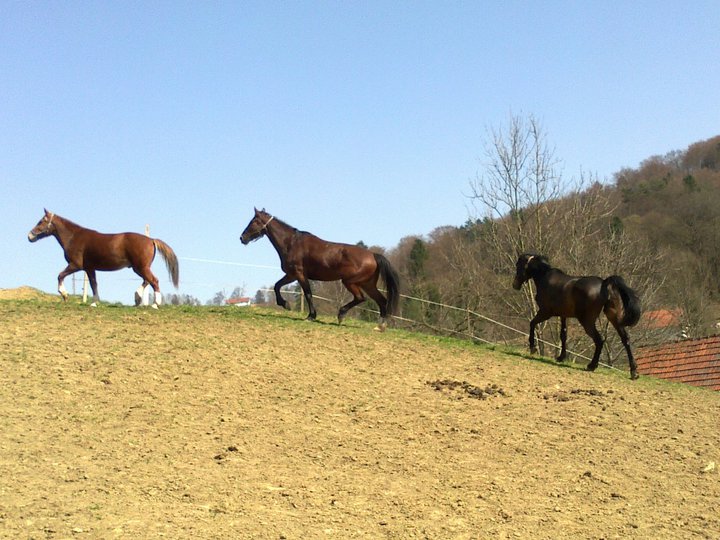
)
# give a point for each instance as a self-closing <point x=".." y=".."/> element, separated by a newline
<point x="32" y="237"/>
<point x="517" y="284"/>
<point x="246" y="238"/>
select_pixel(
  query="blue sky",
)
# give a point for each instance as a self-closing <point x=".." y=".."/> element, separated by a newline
<point x="353" y="120"/>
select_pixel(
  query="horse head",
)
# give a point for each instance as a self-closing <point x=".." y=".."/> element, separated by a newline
<point x="257" y="226"/>
<point x="526" y="267"/>
<point x="44" y="227"/>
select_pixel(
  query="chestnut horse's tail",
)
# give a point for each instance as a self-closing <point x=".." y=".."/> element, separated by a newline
<point x="622" y="301"/>
<point x="171" y="260"/>
<point x="392" y="282"/>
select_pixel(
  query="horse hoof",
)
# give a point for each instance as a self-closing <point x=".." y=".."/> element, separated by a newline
<point x="93" y="304"/>
<point x="590" y="368"/>
<point x="380" y="328"/>
<point x="155" y="306"/>
<point x="560" y="359"/>
<point x="634" y="375"/>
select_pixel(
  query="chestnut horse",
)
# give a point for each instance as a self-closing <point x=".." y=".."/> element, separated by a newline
<point x="583" y="298"/>
<point x="90" y="251"/>
<point x="305" y="257"/>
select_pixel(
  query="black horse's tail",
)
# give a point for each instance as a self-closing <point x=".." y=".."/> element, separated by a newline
<point x="392" y="282"/>
<point x="622" y="301"/>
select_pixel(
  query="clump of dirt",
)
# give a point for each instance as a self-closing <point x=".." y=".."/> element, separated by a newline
<point x="575" y="392"/>
<point x="465" y="387"/>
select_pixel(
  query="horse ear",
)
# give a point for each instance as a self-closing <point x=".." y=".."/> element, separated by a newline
<point x="532" y="262"/>
<point x="535" y="262"/>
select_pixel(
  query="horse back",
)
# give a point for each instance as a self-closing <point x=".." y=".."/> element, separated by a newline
<point x="569" y="296"/>
<point x="329" y="261"/>
<point x="103" y="251"/>
<point x="588" y="295"/>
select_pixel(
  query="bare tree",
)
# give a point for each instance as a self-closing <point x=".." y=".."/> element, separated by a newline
<point x="527" y="206"/>
<point x="520" y="176"/>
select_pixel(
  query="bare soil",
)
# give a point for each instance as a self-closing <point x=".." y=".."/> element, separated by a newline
<point x="228" y="423"/>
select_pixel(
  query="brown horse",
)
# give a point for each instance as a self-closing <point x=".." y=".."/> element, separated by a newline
<point x="305" y="257"/>
<point x="90" y="251"/>
<point x="582" y="298"/>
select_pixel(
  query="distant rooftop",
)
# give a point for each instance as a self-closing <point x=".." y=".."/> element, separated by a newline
<point x="691" y="361"/>
<point x="662" y="318"/>
<point x="243" y="301"/>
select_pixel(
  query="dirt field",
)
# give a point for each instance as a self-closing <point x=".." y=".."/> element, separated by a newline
<point x="229" y="423"/>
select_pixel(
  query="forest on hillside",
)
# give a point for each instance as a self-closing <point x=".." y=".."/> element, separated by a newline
<point x="656" y="225"/>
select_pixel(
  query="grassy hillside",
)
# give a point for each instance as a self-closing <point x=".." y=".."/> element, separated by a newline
<point x="239" y="423"/>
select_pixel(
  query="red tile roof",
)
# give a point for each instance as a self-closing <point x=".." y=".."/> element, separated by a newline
<point x="692" y="361"/>
<point x="241" y="300"/>
<point x="662" y="318"/>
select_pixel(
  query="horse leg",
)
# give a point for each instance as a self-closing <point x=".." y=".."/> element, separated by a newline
<point x="69" y="269"/>
<point x="563" y="340"/>
<point x="358" y="298"/>
<point x="381" y="301"/>
<point x="539" y="318"/>
<point x="148" y="277"/>
<point x="93" y="285"/>
<point x="278" y="297"/>
<point x="592" y="331"/>
<point x="140" y="292"/>
<point x="307" y="291"/>
<point x="626" y="343"/>
<point x="155" y="284"/>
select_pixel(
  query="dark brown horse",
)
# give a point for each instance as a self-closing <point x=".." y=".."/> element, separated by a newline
<point x="305" y="257"/>
<point x="91" y="251"/>
<point x="583" y="298"/>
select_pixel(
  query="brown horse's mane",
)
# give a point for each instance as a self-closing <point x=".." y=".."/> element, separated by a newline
<point x="71" y="223"/>
<point x="295" y="230"/>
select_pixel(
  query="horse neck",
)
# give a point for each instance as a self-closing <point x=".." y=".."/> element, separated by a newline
<point x="281" y="235"/>
<point x="542" y="274"/>
<point x="65" y="230"/>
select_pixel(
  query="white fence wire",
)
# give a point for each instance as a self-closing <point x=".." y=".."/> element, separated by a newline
<point x="468" y="335"/>
<point x="448" y="331"/>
